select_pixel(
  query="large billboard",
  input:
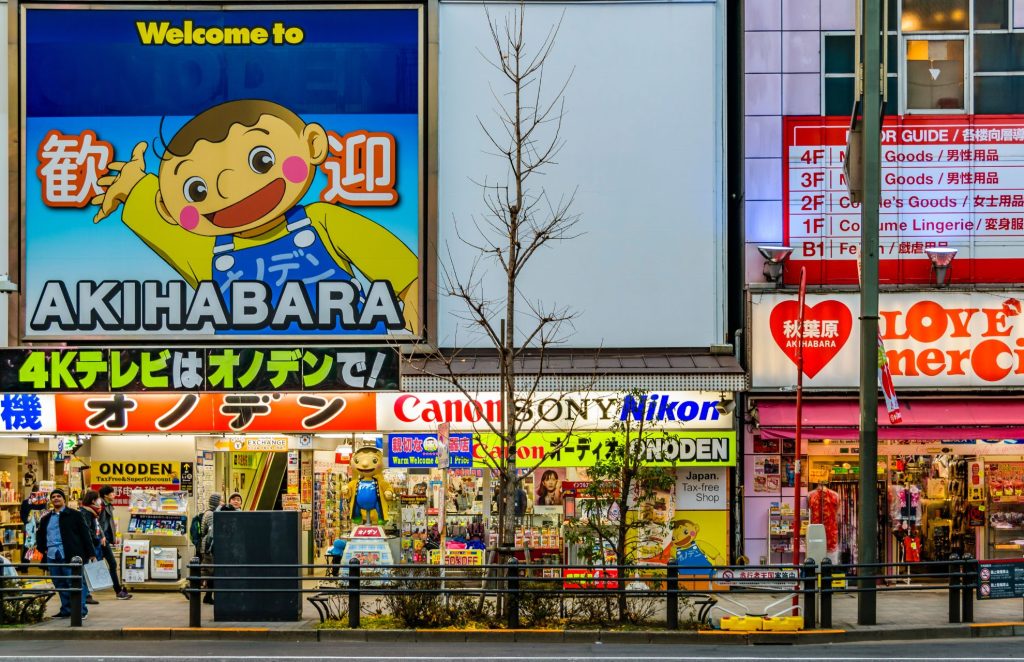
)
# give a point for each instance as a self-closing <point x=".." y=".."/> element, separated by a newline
<point x="222" y="171"/>
<point x="947" y="182"/>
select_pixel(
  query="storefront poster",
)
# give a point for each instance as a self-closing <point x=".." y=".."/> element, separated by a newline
<point x="584" y="449"/>
<point x="250" y="171"/>
<point x="199" y="369"/>
<point x="948" y="181"/>
<point x="670" y="410"/>
<point x="704" y="488"/>
<point x="420" y="450"/>
<point x="700" y="539"/>
<point x="932" y="339"/>
<point x="457" y="557"/>
<point x="120" y="495"/>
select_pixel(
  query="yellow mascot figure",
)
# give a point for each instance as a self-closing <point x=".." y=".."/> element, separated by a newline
<point x="368" y="492"/>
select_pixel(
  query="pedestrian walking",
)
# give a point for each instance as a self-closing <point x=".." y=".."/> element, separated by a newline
<point x="108" y="527"/>
<point x="206" y="544"/>
<point x="63" y="535"/>
<point x="89" y="513"/>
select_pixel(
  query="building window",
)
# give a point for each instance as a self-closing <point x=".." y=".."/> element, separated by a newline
<point x="945" y="56"/>
<point x="839" y="64"/>
<point x="935" y="75"/>
<point x="934" y="16"/>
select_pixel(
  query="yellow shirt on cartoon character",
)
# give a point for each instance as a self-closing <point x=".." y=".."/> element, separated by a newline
<point x="349" y="237"/>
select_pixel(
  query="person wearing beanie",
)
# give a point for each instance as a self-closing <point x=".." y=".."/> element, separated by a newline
<point x="62" y="535"/>
<point x="235" y="501"/>
<point x="205" y="550"/>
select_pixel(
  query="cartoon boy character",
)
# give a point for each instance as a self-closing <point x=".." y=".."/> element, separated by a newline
<point x="225" y="207"/>
<point x="365" y="502"/>
<point x="693" y="556"/>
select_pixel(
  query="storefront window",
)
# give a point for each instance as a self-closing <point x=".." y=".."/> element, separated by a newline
<point x="935" y="74"/>
<point x="934" y="15"/>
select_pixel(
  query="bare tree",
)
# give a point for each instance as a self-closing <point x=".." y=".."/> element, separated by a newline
<point x="521" y="218"/>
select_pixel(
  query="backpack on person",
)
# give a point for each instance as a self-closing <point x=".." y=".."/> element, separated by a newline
<point x="195" y="531"/>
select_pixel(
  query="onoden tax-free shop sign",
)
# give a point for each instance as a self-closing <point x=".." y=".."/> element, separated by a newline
<point x="222" y="172"/>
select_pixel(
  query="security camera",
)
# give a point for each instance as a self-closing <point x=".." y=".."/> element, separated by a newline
<point x="725" y="405"/>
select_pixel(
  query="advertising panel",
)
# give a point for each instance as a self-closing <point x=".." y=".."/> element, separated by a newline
<point x="662" y="449"/>
<point x="932" y="339"/>
<point x="947" y="181"/>
<point x="228" y="171"/>
<point x="199" y="369"/>
<point x="554" y="411"/>
<point x="421" y="450"/>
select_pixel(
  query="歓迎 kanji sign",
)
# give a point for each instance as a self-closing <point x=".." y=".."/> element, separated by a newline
<point x="199" y="369"/>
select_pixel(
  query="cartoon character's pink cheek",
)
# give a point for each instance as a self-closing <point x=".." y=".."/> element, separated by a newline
<point x="189" y="218"/>
<point x="295" y="169"/>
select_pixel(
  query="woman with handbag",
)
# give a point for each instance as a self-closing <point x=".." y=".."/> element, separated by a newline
<point x="91" y="508"/>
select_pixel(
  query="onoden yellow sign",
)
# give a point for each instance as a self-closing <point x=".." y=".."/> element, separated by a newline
<point x="115" y="472"/>
<point x="663" y="449"/>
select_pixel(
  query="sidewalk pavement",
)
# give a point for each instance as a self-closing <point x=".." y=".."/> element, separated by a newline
<point x="917" y="614"/>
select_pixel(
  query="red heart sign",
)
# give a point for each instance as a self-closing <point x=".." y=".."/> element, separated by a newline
<point x="827" y="327"/>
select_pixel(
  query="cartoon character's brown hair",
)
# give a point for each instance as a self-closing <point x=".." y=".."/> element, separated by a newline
<point x="213" y="124"/>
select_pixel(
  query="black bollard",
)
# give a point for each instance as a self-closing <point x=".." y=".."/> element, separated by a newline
<point x="195" y="586"/>
<point x="353" y="593"/>
<point x="512" y="583"/>
<point x="969" y="579"/>
<point x="826" y="593"/>
<point x="77" y="586"/>
<point x="954" y="588"/>
<point x="672" y="596"/>
<point x="809" y="576"/>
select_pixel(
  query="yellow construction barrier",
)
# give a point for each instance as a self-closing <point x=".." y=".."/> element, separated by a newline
<point x="782" y="623"/>
<point x="741" y="623"/>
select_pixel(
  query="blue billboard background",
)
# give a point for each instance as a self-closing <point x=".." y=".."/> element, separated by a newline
<point x="86" y="69"/>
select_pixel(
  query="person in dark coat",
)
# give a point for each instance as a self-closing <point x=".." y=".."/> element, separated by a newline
<point x="63" y="535"/>
<point x="108" y="527"/>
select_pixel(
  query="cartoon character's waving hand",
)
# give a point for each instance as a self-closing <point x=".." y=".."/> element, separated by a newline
<point x="118" y="187"/>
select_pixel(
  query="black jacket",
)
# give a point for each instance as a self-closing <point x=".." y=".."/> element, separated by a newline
<point x="74" y="535"/>
<point x="92" y="523"/>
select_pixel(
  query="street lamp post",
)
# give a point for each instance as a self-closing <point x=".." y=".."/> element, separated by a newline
<point x="868" y="493"/>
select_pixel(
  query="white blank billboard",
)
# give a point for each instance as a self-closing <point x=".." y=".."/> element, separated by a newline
<point x="643" y="152"/>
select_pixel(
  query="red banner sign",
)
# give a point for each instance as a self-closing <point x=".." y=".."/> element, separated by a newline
<point x="947" y="181"/>
<point x="215" y="412"/>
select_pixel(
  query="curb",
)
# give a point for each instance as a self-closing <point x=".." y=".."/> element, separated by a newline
<point x="740" y="638"/>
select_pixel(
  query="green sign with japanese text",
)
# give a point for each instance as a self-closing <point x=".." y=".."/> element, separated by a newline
<point x="72" y="370"/>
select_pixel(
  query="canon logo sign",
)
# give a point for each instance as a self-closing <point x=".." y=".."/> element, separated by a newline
<point x="550" y="411"/>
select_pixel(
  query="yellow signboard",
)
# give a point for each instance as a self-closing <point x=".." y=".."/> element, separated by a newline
<point x="583" y="449"/>
<point x="115" y="472"/>
<point x="458" y="557"/>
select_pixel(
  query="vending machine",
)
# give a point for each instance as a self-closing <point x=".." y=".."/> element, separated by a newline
<point x="135" y="561"/>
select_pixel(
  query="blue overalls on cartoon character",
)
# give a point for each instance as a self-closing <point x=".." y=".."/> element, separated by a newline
<point x="368" y="492"/>
<point x="298" y="255"/>
<point x="690" y="557"/>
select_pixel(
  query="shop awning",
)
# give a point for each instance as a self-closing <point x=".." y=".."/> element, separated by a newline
<point x="935" y="418"/>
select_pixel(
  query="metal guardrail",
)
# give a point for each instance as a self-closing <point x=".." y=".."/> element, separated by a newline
<point x="11" y="590"/>
<point x="812" y="584"/>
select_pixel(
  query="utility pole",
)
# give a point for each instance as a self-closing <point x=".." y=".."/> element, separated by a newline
<point x="867" y="545"/>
